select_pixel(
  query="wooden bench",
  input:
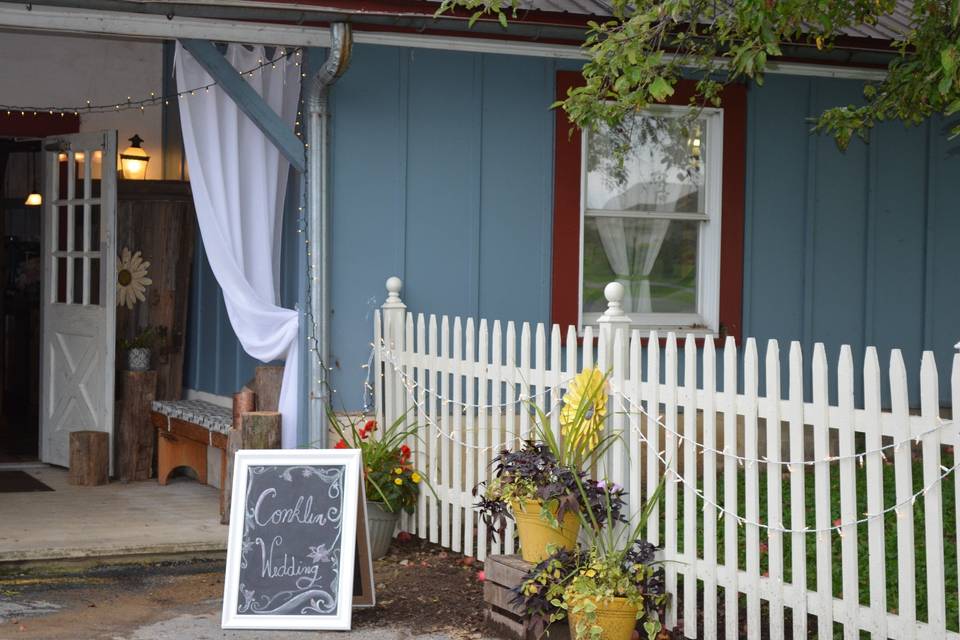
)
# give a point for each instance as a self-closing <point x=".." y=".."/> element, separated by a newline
<point x="185" y="428"/>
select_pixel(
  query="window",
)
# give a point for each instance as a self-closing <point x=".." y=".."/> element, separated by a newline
<point x="667" y="223"/>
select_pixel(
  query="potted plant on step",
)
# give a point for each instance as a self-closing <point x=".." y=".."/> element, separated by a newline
<point x="615" y="584"/>
<point x="539" y="486"/>
<point x="610" y="583"/>
<point x="140" y="348"/>
<point x="391" y="481"/>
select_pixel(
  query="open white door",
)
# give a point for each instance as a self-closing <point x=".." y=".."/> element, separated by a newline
<point x="79" y="290"/>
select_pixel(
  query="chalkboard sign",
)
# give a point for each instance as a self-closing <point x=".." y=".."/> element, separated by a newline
<point x="292" y="544"/>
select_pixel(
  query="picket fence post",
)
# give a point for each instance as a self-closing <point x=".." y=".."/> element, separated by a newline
<point x="394" y="390"/>
<point x="614" y="328"/>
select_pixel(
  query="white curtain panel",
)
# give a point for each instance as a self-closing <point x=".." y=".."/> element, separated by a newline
<point x="239" y="178"/>
<point x="632" y="252"/>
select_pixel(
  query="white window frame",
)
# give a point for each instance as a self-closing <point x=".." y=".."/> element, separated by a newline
<point x="706" y="321"/>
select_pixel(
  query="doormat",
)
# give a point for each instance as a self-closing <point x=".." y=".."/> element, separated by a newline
<point x="19" y="482"/>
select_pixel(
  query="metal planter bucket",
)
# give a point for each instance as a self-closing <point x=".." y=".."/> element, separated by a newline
<point x="380" y="525"/>
<point x="138" y="359"/>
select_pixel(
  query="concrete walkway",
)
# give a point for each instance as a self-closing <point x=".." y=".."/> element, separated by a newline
<point x="138" y="518"/>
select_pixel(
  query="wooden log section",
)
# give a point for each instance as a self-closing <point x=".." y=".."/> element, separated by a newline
<point x="258" y="430"/>
<point x="267" y="387"/>
<point x="89" y="458"/>
<point x="244" y="401"/>
<point x="136" y="437"/>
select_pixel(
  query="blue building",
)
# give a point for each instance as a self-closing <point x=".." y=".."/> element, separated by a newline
<point x="450" y="170"/>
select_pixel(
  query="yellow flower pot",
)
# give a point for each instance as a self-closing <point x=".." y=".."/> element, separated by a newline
<point x="616" y="616"/>
<point x="536" y="533"/>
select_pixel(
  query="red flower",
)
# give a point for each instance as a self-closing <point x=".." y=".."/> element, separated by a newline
<point x="370" y="426"/>
<point x="404" y="452"/>
<point x="341" y="444"/>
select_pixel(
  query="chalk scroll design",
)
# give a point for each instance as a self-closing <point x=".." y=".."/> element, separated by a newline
<point x="311" y="571"/>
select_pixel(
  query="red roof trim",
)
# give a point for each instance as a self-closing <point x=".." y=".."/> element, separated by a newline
<point x="37" y="125"/>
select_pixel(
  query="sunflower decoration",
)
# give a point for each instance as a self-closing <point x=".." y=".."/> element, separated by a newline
<point x="132" y="278"/>
<point x="584" y="411"/>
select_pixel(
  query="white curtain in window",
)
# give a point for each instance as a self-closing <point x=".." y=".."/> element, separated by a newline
<point x="238" y="178"/>
<point x="632" y="246"/>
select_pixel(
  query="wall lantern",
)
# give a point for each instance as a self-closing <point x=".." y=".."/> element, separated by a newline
<point x="34" y="199"/>
<point x="133" y="160"/>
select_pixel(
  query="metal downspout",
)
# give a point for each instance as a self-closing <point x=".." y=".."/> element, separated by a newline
<point x="318" y="224"/>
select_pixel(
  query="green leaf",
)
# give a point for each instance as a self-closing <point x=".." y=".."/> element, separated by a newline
<point x="660" y="89"/>
<point x="944" y="85"/>
<point x="503" y="19"/>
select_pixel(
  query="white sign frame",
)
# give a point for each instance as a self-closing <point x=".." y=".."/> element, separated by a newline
<point x="350" y="459"/>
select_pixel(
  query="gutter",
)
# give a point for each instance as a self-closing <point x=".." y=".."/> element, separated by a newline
<point x="536" y="26"/>
<point x="317" y="107"/>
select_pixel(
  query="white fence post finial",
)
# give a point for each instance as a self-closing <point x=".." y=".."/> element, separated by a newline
<point x="393" y="301"/>
<point x="612" y="320"/>
<point x="614" y="293"/>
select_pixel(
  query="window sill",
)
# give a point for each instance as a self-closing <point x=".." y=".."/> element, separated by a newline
<point x="699" y="333"/>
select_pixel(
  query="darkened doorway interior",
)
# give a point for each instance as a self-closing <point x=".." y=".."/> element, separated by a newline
<point x="20" y="271"/>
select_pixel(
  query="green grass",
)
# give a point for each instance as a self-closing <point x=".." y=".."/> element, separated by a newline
<point x="890" y="533"/>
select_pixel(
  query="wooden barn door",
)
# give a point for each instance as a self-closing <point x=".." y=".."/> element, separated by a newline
<point x="79" y="290"/>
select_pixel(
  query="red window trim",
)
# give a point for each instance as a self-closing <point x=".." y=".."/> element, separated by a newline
<point x="565" y="299"/>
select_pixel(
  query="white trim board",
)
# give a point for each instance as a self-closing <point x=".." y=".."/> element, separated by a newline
<point x="155" y="26"/>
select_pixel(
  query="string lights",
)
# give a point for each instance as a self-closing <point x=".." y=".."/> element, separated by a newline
<point x="837" y="525"/>
<point x="704" y="448"/>
<point x="899" y="508"/>
<point x="153" y="100"/>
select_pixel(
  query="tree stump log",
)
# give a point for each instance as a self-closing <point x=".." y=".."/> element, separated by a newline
<point x="244" y="401"/>
<point x="257" y="430"/>
<point x="136" y="437"/>
<point x="267" y="386"/>
<point x="89" y="458"/>
<point x="260" y="429"/>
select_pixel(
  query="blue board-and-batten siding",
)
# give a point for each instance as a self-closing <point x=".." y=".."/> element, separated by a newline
<point x="854" y="247"/>
<point x="215" y="362"/>
<point x="442" y="174"/>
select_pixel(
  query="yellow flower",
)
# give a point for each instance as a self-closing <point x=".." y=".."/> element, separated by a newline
<point x="398" y="470"/>
<point x="415" y="477"/>
<point x="397" y="481"/>
<point x="584" y="410"/>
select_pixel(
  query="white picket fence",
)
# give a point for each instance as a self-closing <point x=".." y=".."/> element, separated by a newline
<point x="468" y="385"/>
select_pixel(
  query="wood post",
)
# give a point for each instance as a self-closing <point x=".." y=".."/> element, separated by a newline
<point x="267" y="386"/>
<point x="257" y="430"/>
<point x="89" y="458"/>
<point x="244" y="401"/>
<point x="260" y="429"/>
<point x="136" y="437"/>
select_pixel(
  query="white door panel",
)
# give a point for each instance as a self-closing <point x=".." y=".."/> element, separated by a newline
<point x="79" y="291"/>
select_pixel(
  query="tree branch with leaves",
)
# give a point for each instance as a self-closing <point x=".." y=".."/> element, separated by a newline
<point x="637" y="57"/>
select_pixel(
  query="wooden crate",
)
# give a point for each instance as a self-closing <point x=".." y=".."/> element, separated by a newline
<point x="504" y="573"/>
